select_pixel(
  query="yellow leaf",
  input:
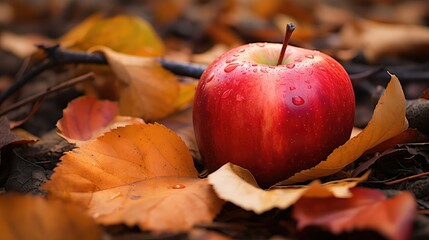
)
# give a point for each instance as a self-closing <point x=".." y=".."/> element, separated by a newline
<point x="86" y="118"/>
<point x="125" y="34"/>
<point x="387" y="121"/>
<point x="146" y="89"/>
<point x="158" y="204"/>
<point x="25" y="217"/>
<point x="78" y="33"/>
<point x="237" y="185"/>
<point x="186" y="95"/>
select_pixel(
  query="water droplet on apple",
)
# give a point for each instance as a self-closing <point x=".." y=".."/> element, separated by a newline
<point x="272" y="67"/>
<point x="297" y="100"/>
<point x="231" y="67"/>
<point x="236" y="55"/>
<point x="255" y="70"/>
<point x="239" y="98"/>
<point x="292" y="88"/>
<point x="211" y="77"/>
<point x="178" y="186"/>
<point x="226" y="93"/>
<point x="264" y="70"/>
<point x="298" y="60"/>
<point x="290" y="65"/>
<point x="241" y="50"/>
<point x="309" y="56"/>
<point x="230" y="60"/>
<point x="254" y="64"/>
<point x="309" y="86"/>
<point x="261" y="44"/>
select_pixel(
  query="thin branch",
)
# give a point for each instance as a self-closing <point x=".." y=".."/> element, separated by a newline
<point x="61" y="86"/>
<point x="407" y="178"/>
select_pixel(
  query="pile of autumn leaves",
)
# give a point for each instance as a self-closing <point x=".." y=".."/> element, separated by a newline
<point x="126" y="171"/>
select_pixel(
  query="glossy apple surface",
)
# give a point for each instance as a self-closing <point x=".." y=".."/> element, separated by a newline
<point x="273" y="120"/>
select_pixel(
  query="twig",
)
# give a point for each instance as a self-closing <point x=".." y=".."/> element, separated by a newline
<point x="407" y="178"/>
<point x="66" y="84"/>
<point x="57" y="56"/>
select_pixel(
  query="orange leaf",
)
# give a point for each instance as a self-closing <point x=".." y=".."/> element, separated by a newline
<point x="30" y="217"/>
<point x="86" y="118"/>
<point x="140" y="174"/>
<point x="165" y="203"/>
<point x="368" y="209"/>
<point x="122" y="156"/>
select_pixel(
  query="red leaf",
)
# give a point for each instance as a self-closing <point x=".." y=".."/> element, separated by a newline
<point x="368" y="209"/>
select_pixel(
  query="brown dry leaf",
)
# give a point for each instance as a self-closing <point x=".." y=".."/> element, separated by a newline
<point x="237" y="185"/>
<point x="125" y="34"/>
<point x="140" y="174"/>
<point x="86" y="118"/>
<point x="368" y="209"/>
<point x="379" y="40"/>
<point x="146" y="89"/>
<point x="26" y="217"/>
<point x="22" y="45"/>
<point x="387" y="121"/>
<point x="8" y="137"/>
<point x="165" y="203"/>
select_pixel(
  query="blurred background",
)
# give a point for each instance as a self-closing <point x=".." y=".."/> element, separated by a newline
<point x="368" y="37"/>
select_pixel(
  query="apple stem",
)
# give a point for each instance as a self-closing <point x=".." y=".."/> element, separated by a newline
<point x="290" y="27"/>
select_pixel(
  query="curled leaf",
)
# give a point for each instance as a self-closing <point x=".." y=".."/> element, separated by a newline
<point x="237" y="185"/>
<point x="145" y="89"/>
<point x="387" y="121"/>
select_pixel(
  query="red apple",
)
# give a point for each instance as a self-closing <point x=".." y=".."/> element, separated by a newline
<point x="275" y="120"/>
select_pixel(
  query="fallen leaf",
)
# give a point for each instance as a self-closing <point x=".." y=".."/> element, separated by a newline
<point x="387" y="121"/>
<point x="8" y="137"/>
<point x="22" y="45"/>
<point x="186" y="95"/>
<point x="368" y="209"/>
<point x="410" y="135"/>
<point x="146" y="89"/>
<point x="166" y="203"/>
<point x="140" y="174"/>
<point x="237" y="185"/>
<point x="30" y="217"/>
<point x="125" y="34"/>
<point x="122" y="156"/>
<point x="181" y="123"/>
<point x="78" y="33"/>
<point x="86" y="118"/>
<point x="380" y="40"/>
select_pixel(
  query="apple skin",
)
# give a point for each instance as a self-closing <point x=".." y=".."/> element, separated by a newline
<point x="273" y="120"/>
